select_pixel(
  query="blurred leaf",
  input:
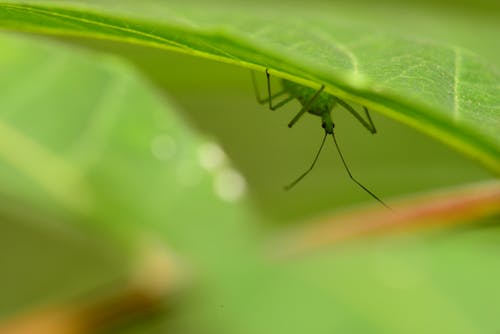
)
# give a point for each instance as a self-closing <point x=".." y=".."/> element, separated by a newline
<point x="92" y="165"/>
<point x="130" y="170"/>
<point x="442" y="90"/>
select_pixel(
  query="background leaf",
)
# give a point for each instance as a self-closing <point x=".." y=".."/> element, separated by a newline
<point x="93" y="117"/>
<point x="412" y="283"/>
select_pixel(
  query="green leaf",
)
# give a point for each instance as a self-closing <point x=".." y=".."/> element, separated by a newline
<point x="93" y="164"/>
<point x="443" y="90"/>
<point x="108" y="135"/>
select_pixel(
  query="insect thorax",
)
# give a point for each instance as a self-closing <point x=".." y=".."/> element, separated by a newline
<point x="323" y="103"/>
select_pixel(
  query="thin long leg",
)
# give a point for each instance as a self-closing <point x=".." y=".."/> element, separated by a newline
<point x="281" y="103"/>
<point x="368" y="125"/>
<point x="262" y="100"/>
<point x="352" y="177"/>
<point x="270" y="97"/>
<point x="288" y="187"/>
<point x="370" y="119"/>
<point x="306" y="107"/>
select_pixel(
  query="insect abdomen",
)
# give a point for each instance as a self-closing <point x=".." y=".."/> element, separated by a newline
<point x="324" y="102"/>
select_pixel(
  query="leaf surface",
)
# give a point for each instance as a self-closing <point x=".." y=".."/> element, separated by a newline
<point x="443" y="90"/>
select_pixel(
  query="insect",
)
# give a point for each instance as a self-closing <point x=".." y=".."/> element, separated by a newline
<point x="318" y="103"/>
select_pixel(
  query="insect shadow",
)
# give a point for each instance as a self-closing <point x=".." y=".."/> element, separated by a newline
<point x="318" y="103"/>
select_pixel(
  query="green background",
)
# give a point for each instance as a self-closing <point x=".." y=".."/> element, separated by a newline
<point x="415" y="282"/>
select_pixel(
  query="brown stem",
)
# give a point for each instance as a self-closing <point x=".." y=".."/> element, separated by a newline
<point x="446" y="207"/>
<point x="156" y="277"/>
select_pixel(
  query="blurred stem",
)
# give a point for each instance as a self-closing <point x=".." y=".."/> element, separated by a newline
<point x="87" y="318"/>
<point x="465" y="204"/>
<point x="157" y="276"/>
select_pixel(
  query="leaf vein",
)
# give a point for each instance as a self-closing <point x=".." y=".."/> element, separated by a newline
<point x="456" y="100"/>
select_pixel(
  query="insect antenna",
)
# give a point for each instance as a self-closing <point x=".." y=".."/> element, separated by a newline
<point x="352" y="177"/>
<point x="288" y="187"/>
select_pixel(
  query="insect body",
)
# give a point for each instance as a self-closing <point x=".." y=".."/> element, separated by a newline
<point x="318" y="103"/>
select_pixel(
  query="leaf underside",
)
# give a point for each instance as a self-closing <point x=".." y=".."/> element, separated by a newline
<point x="442" y="90"/>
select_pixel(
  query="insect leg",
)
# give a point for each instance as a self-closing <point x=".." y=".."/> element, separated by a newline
<point x="306" y="107"/>
<point x="270" y="97"/>
<point x="370" y="119"/>
<point x="288" y="187"/>
<point x="368" y="125"/>
<point x="352" y="177"/>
